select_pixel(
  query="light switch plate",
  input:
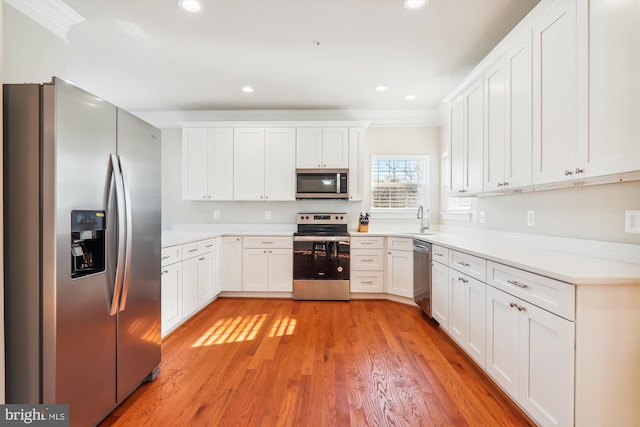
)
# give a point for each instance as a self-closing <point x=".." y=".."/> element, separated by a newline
<point x="632" y="222"/>
<point x="267" y="214"/>
<point x="530" y="218"/>
<point x="216" y="214"/>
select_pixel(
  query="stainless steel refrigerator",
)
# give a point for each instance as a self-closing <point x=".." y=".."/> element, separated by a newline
<point x="82" y="249"/>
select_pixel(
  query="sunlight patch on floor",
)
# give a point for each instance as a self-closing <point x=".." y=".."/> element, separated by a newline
<point x="239" y="329"/>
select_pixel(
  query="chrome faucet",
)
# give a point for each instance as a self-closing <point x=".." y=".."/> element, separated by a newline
<point x="421" y="216"/>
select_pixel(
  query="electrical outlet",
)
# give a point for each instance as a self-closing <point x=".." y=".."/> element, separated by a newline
<point x="530" y="218"/>
<point x="483" y="217"/>
<point x="216" y="214"/>
<point x="267" y="214"/>
<point x="632" y="222"/>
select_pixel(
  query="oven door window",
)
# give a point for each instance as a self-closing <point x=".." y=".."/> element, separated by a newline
<point x="323" y="260"/>
<point x="317" y="183"/>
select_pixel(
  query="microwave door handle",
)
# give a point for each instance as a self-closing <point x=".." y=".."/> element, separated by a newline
<point x="338" y="183"/>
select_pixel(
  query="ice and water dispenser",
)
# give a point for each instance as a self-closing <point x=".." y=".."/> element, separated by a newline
<point x="88" y="241"/>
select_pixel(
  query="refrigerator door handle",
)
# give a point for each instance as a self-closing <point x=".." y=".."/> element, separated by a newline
<point x="117" y="288"/>
<point x="129" y="234"/>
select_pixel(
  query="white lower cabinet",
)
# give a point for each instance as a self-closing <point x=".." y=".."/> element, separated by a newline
<point x="367" y="264"/>
<point x="171" y="297"/>
<point x="231" y="264"/>
<point x="267" y="264"/>
<point x="440" y="294"/>
<point x="530" y="353"/>
<point x="467" y="320"/>
<point x="189" y="281"/>
<point x="399" y="269"/>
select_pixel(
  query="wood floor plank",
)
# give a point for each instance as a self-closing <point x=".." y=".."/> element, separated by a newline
<point x="261" y="362"/>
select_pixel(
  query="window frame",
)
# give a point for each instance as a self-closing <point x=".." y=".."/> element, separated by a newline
<point x="402" y="212"/>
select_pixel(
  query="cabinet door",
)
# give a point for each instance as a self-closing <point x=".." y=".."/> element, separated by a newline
<point x="519" y="101"/>
<point x="281" y="270"/>
<point x="356" y="164"/>
<point x="456" y="146"/>
<point x="206" y="266"/>
<point x="494" y="127"/>
<point x="194" y="164"/>
<point x="503" y="340"/>
<point x="255" y="271"/>
<point x="217" y="288"/>
<point x="335" y="148"/>
<point x="248" y="164"/>
<point x="309" y="148"/>
<point x="400" y="273"/>
<point x="171" y="297"/>
<point x="440" y="294"/>
<point x="614" y="89"/>
<point x="220" y="163"/>
<point x="475" y="317"/>
<point x="189" y="287"/>
<point x="546" y="365"/>
<point x="474" y="136"/>
<point x="457" y="322"/>
<point x="280" y="164"/>
<point x="231" y="264"/>
<point x="554" y="95"/>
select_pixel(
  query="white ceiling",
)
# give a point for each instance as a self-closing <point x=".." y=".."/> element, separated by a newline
<point x="150" y="55"/>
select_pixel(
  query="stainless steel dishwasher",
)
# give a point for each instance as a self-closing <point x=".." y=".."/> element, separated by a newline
<point x="422" y="275"/>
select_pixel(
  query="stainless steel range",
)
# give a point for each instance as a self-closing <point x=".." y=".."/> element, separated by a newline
<point x="321" y="257"/>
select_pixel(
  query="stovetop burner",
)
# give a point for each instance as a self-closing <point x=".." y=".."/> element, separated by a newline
<point x="322" y="224"/>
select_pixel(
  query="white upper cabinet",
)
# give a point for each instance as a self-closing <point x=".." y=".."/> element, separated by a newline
<point x="356" y="163"/>
<point x="322" y="148"/>
<point x="555" y="89"/>
<point x="508" y="133"/>
<point x="207" y="164"/>
<point x="264" y="164"/>
<point x="280" y="160"/>
<point x="613" y="143"/>
<point x="467" y="135"/>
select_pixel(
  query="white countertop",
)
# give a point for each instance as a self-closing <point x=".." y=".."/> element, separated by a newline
<point x="575" y="261"/>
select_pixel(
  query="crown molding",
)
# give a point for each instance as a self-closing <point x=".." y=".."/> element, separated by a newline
<point x="375" y="118"/>
<point x="54" y="15"/>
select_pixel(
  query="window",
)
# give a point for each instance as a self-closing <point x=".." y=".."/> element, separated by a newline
<point x="456" y="208"/>
<point x="399" y="184"/>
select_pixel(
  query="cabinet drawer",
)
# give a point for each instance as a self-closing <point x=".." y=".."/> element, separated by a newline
<point x="367" y="259"/>
<point x="367" y="281"/>
<point x="468" y="264"/>
<point x="189" y="250"/>
<point x="261" y="242"/>
<point x="171" y="255"/>
<point x="367" y="242"/>
<point x="440" y="254"/>
<point x="399" y="244"/>
<point x="205" y="246"/>
<point x="552" y="295"/>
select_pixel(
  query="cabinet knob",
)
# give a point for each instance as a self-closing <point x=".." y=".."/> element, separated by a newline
<point x="567" y="173"/>
<point x="578" y="170"/>
<point x="505" y="184"/>
<point x="500" y="184"/>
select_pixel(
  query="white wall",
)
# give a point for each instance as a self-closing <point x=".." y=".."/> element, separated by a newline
<point x="388" y="140"/>
<point x="592" y="212"/>
<point x="2" y="391"/>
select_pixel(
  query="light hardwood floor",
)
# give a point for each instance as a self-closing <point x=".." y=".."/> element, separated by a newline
<point x="261" y="362"/>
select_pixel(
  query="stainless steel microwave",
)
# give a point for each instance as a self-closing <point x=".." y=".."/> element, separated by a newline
<point x="322" y="184"/>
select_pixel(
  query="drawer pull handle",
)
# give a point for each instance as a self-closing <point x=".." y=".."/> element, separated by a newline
<point x="201" y="259"/>
<point x="512" y="304"/>
<point x="463" y="280"/>
<point x="439" y="254"/>
<point x="366" y="243"/>
<point x="166" y="257"/>
<point x="521" y="308"/>
<point x="165" y="271"/>
<point x="514" y="283"/>
<point x="367" y="260"/>
<point x="368" y="282"/>
<point x="464" y="264"/>
<point x="193" y="250"/>
<point x="209" y="246"/>
<point x="267" y="243"/>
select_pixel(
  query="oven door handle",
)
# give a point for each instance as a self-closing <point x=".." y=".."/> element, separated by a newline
<point x="320" y="238"/>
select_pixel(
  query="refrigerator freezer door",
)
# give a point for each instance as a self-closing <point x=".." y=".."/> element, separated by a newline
<point x="139" y="318"/>
<point x="80" y="135"/>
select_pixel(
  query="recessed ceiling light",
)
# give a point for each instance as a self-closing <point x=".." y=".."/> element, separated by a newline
<point x="414" y="4"/>
<point x="381" y="88"/>
<point x="190" y="5"/>
<point x="409" y="97"/>
<point x="247" y="89"/>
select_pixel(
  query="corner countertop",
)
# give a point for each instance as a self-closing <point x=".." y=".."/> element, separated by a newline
<point x="575" y="261"/>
